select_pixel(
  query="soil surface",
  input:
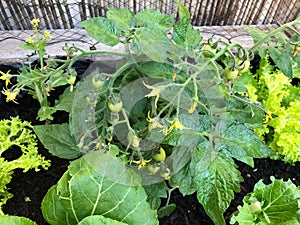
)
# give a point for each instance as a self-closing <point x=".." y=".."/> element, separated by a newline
<point x="30" y="188"/>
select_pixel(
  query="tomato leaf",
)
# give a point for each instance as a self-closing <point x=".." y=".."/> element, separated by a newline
<point x="103" y="30"/>
<point x="57" y="138"/>
<point x="151" y="39"/>
<point x="151" y="19"/>
<point x="282" y="59"/>
<point x="122" y="16"/>
<point x="216" y="178"/>
<point x="244" y="145"/>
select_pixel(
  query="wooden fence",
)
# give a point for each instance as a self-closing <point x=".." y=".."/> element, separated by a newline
<point x="67" y="14"/>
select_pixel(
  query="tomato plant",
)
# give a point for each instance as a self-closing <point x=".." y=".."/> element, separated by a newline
<point x="167" y="118"/>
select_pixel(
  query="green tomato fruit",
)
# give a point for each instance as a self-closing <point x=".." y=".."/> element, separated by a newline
<point x="115" y="107"/>
<point x="208" y="51"/>
<point x="98" y="84"/>
<point x="161" y="156"/>
<point x="231" y="73"/>
<point x="243" y="65"/>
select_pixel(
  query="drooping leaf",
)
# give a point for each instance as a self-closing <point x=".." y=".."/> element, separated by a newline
<point x="216" y="178"/>
<point x="244" y="145"/>
<point x="122" y="16"/>
<point x="152" y="19"/>
<point x="166" y="210"/>
<point x="151" y="39"/>
<point x="275" y="203"/>
<point x="15" y="220"/>
<point x="65" y="101"/>
<point x="103" y="30"/>
<point x="99" y="220"/>
<point x="57" y="138"/>
<point x="100" y="184"/>
<point x="282" y="59"/>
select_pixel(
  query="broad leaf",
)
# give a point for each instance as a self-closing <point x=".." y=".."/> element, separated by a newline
<point x="15" y="220"/>
<point x="151" y="39"/>
<point x="216" y="182"/>
<point x="58" y="139"/>
<point x="122" y="16"/>
<point x="151" y="19"/>
<point x="100" y="184"/>
<point x="99" y="220"/>
<point x="103" y="30"/>
<point x="51" y="204"/>
<point x="276" y="203"/>
<point x="282" y="59"/>
<point x="244" y="145"/>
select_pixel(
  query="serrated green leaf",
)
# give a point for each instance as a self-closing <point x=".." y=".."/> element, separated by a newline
<point x="184" y="181"/>
<point x="149" y="40"/>
<point x="122" y="16"/>
<point x="152" y="19"/>
<point x="99" y="220"/>
<point x="184" y="13"/>
<point x="57" y="138"/>
<point x="282" y="59"/>
<point x="100" y="184"/>
<point x="15" y="220"/>
<point x="103" y="30"/>
<point x="186" y="36"/>
<point x="216" y="183"/>
<point x="244" y="145"/>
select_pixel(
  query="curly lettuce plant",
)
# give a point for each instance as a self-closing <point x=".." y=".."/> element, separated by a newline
<point x="15" y="133"/>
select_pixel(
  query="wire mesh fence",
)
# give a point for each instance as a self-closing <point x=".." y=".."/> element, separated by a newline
<point x="62" y="17"/>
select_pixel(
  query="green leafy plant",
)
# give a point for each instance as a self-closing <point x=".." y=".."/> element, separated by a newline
<point x="176" y="113"/>
<point x="275" y="203"/>
<point x="281" y="130"/>
<point x="15" y="133"/>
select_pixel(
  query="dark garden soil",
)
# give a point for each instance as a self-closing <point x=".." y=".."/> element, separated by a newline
<point x="30" y="188"/>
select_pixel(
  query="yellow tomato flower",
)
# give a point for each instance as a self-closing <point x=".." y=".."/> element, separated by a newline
<point x="10" y="95"/>
<point x="35" y="22"/>
<point x="154" y="123"/>
<point x="6" y="77"/>
<point x="268" y="117"/>
<point x="155" y="92"/>
<point x="177" y="125"/>
<point x="141" y="163"/>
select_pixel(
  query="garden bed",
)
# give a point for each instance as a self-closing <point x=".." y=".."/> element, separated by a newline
<point x="30" y="188"/>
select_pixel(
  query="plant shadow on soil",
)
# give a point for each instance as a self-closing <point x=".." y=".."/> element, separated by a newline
<point x="29" y="188"/>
